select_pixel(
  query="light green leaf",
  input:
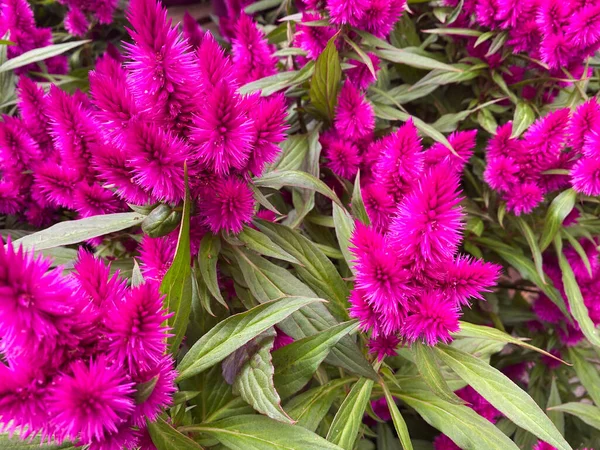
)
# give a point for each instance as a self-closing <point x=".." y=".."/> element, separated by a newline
<point x="39" y="54"/>
<point x="431" y="373"/>
<point x="325" y="83"/>
<point x="296" y="363"/>
<point x="358" y="205"/>
<point x="261" y="5"/>
<point x="177" y="283"/>
<point x="524" y="116"/>
<point x="559" y="209"/>
<point x="316" y="269"/>
<point x="533" y="246"/>
<point x="136" y="276"/>
<point x="401" y="56"/>
<point x="557" y="417"/>
<point x="588" y="413"/>
<point x="294" y="178"/>
<point x="347" y="421"/>
<point x="587" y="373"/>
<point x="293" y="153"/>
<point x="344" y="226"/>
<point x="454" y="31"/>
<point x="478" y="331"/>
<point x="464" y="426"/>
<point x="235" y="331"/>
<point x="165" y="437"/>
<point x="261" y="433"/>
<point x="578" y="308"/>
<point x="497" y="43"/>
<point x="504" y="394"/>
<point x="260" y="243"/>
<point x="255" y="384"/>
<point x="310" y="407"/>
<point x="15" y="443"/>
<point x="397" y="418"/>
<point x="75" y="231"/>
<point x="283" y="80"/>
<point x="208" y="256"/>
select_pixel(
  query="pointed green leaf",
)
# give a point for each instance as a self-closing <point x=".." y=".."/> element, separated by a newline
<point x="208" y="256"/>
<point x="39" y="54"/>
<point x="588" y="413"/>
<point x="533" y="246"/>
<point x="296" y="363"/>
<point x="165" y="437"/>
<point x="587" y="373"/>
<point x="347" y="421"/>
<point x="235" y="331"/>
<point x="558" y="210"/>
<point x="557" y="417"/>
<point x="397" y="418"/>
<point x="358" y="205"/>
<point x="260" y="243"/>
<point x="261" y="433"/>
<point x="325" y="83"/>
<point x="431" y="373"/>
<point x="286" y="178"/>
<point x="344" y="226"/>
<point x="504" y="394"/>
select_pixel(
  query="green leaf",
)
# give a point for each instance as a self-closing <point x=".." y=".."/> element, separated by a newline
<point x="464" y="426"/>
<point x="261" y="5"/>
<point x="358" y="206"/>
<point x="579" y="250"/>
<point x="557" y="417"/>
<point x="309" y="408"/>
<point x="362" y="55"/>
<point x="283" y="80"/>
<point x="432" y="375"/>
<point x="478" y="331"/>
<point x="533" y="246"/>
<point x="268" y="281"/>
<point x="587" y="373"/>
<point x="136" y="276"/>
<point x="293" y="153"/>
<point x="260" y="243"/>
<point x="524" y="116"/>
<point x="484" y="37"/>
<point x="235" y="331"/>
<point x="504" y="394"/>
<point x="454" y="31"/>
<point x="261" y="433"/>
<point x="397" y="418"/>
<point x="15" y="443"/>
<point x="588" y="413"/>
<point x="294" y="178"/>
<point x="165" y="437"/>
<point x="296" y="363"/>
<point x="344" y="226"/>
<point x="75" y="231"/>
<point x="316" y="269"/>
<point x="401" y="56"/>
<point x="325" y="83"/>
<point x="208" y="256"/>
<point x="347" y="421"/>
<point x="559" y="209"/>
<point x="497" y="43"/>
<point x="177" y="283"/>
<point x="578" y="308"/>
<point x="39" y="54"/>
<point x="254" y="382"/>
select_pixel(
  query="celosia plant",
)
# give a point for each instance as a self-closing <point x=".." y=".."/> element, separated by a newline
<point x="320" y="225"/>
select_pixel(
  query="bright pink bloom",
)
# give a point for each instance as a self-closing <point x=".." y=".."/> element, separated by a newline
<point x="479" y="404"/>
<point x="585" y="125"/>
<point x="347" y="11"/>
<point x="312" y="39"/>
<point x="192" y="31"/>
<point x="463" y="143"/>
<point x="354" y="116"/>
<point x="585" y="176"/>
<point x="434" y="316"/>
<point x="156" y="255"/>
<point x="162" y="394"/>
<point x="524" y="198"/>
<point x="229" y="206"/>
<point x="343" y="155"/>
<point x="468" y="278"/>
<point x="96" y="283"/>
<point x="379" y="205"/>
<point x="383" y="346"/>
<point x="95" y="200"/>
<point x="360" y="75"/>
<point x="541" y="445"/>
<point x="214" y="66"/>
<point x="76" y="23"/>
<point x="252" y="55"/>
<point x="381" y="15"/>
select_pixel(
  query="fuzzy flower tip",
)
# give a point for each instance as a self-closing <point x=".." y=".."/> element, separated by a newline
<point x="432" y="320"/>
<point x="354" y="117"/>
<point x="230" y="206"/>
<point x="585" y="176"/>
<point x="76" y="23"/>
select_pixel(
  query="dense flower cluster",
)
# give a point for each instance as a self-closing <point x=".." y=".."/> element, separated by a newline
<point x="167" y="105"/>
<point x="77" y="20"/>
<point x="85" y="354"/>
<point x="522" y="168"/>
<point x="410" y="279"/>
<point x="561" y="34"/>
<point x="16" y="19"/>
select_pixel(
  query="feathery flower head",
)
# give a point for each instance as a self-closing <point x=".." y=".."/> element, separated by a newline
<point x="192" y="31"/>
<point x="156" y="255"/>
<point x="383" y="346"/>
<point x="433" y="317"/>
<point x="380" y="16"/>
<point x="541" y="445"/>
<point x="585" y="176"/>
<point x="94" y="200"/>
<point x="311" y="39"/>
<point x="467" y="278"/>
<point x="463" y="143"/>
<point x="548" y="134"/>
<point x="96" y="283"/>
<point x="76" y="23"/>
<point x="524" y="198"/>
<point x="354" y="116"/>
<point x="213" y="64"/>
<point x="347" y="11"/>
<point x="379" y="205"/>
<point x="360" y="75"/>
<point x="585" y="123"/>
<point x="33" y="108"/>
<point x="229" y="206"/>
<point x="343" y="155"/>
<point x="57" y="182"/>
<point x="252" y="55"/>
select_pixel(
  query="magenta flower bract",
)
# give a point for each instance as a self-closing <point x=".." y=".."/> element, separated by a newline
<point x="434" y="316"/>
<point x="76" y="23"/>
<point x="229" y="206"/>
<point x="252" y="55"/>
<point x="343" y="155"/>
<point x="354" y="116"/>
<point x="311" y="39"/>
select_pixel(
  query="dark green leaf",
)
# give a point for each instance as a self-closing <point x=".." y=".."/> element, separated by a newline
<point x="588" y="413"/>
<point x="208" y="256"/>
<point x="261" y="5"/>
<point x="325" y="83"/>
<point x="261" y="433"/>
<point x="587" y="373"/>
<point x="235" y="331"/>
<point x="533" y="246"/>
<point x="557" y="417"/>
<point x="401" y="56"/>
<point x="358" y="205"/>
<point x="295" y="363"/>
<point x="347" y="421"/>
<point x="260" y="243"/>
<point x="431" y="373"/>
<point x="558" y="210"/>
<point x="344" y="226"/>
<point x="165" y="437"/>
<point x="293" y="153"/>
<point x="75" y="231"/>
<point x="504" y="394"/>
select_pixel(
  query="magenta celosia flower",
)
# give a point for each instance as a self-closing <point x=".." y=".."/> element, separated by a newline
<point x="343" y="155"/>
<point x="584" y="125"/>
<point x="479" y="404"/>
<point x="252" y="55"/>
<point x="57" y="183"/>
<point x="361" y="309"/>
<point x="379" y="205"/>
<point x="311" y="39"/>
<point x="360" y="75"/>
<point x="96" y="283"/>
<point x="585" y="176"/>
<point x="347" y="11"/>
<point x="383" y="346"/>
<point x="90" y="400"/>
<point x="467" y="278"/>
<point x="524" y="198"/>
<point x="93" y="200"/>
<point x="162" y="395"/>
<point x="213" y="64"/>
<point x="548" y="134"/>
<point x="222" y="131"/>
<point x="158" y="158"/>
<point x="156" y="255"/>
<point x="229" y="205"/>
<point x="443" y="442"/>
<point x="32" y="297"/>
<point x="433" y="317"/>
<point x="192" y="31"/>
<point x="501" y="173"/>
<point x="541" y="445"/>
<point x="135" y="330"/>
<point x="76" y="23"/>
<point x="33" y="108"/>
<point x="354" y="116"/>
<point x="380" y="16"/>
<point x="281" y="339"/>
<point x="463" y="143"/>
<point x="428" y="221"/>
